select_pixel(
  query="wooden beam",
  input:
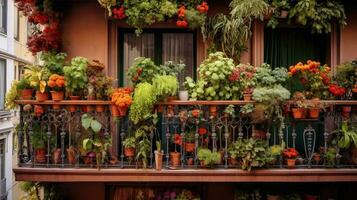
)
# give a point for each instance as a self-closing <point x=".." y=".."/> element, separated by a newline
<point x="188" y="175"/>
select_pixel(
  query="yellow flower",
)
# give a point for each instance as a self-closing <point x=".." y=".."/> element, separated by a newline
<point x="42" y="86"/>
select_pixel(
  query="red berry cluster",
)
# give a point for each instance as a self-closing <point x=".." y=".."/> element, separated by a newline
<point x="119" y="13"/>
<point x="181" y="22"/>
<point x="336" y="90"/>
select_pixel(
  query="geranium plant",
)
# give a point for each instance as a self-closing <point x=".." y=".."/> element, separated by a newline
<point x="244" y="75"/>
<point x="290" y="153"/>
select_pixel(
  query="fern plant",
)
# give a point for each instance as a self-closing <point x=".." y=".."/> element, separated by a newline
<point x="165" y="85"/>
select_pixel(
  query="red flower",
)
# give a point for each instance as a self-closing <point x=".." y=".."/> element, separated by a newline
<point x="337" y="90"/>
<point x="290" y="153"/>
<point x="202" y="131"/>
<point x="119" y="13"/>
<point x="182" y="23"/>
<point x="177" y="139"/>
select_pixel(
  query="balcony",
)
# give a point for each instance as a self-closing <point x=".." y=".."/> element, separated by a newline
<point x="62" y="157"/>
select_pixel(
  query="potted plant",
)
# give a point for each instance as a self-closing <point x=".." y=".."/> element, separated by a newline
<point x="38" y="78"/>
<point x="299" y="110"/>
<point x="346" y="76"/>
<point x="96" y="142"/>
<point x="103" y="91"/>
<point x="251" y="153"/>
<point x="56" y="156"/>
<point x="276" y="151"/>
<point x="25" y="89"/>
<point x="166" y="86"/>
<point x="174" y="69"/>
<point x="159" y="154"/>
<point x="190" y="142"/>
<point x="121" y="98"/>
<point x="56" y="83"/>
<point x="348" y="139"/>
<point x="208" y="158"/>
<point x="290" y="154"/>
<point x="129" y="145"/>
<point x="71" y="155"/>
<point x="314" y="107"/>
<point x="38" y="144"/>
<point x="245" y="74"/>
<point x="143" y="70"/>
<point x="175" y="158"/>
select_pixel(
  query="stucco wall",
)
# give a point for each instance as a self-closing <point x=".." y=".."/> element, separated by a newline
<point x="348" y="37"/>
<point x="85" y="30"/>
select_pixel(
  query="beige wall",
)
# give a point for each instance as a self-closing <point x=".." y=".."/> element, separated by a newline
<point x="348" y="37"/>
<point x="84" y="32"/>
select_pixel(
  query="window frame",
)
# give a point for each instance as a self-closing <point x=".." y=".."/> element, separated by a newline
<point x="17" y="24"/>
<point x="157" y="47"/>
<point x="3" y="28"/>
<point x="5" y="82"/>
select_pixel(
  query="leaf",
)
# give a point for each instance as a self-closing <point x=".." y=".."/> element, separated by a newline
<point x="87" y="144"/>
<point x="96" y="126"/>
<point x="86" y="121"/>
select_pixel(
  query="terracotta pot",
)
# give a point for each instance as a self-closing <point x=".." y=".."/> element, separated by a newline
<point x="84" y="109"/>
<point x="40" y="155"/>
<point x="99" y="108"/>
<point x="115" y="111"/>
<point x="87" y="160"/>
<point x="213" y="111"/>
<point x="71" y="155"/>
<point x="42" y="96"/>
<point x="247" y="97"/>
<point x="158" y="160"/>
<point x="298" y="113"/>
<point x="26" y="94"/>
<point x="129" y="152"/>
<point x="317" y="158"/>
<point x="202" y="163"/>
<point x="57" y="95"/>
<point x="171" y="98"/>
<point x="122" y="111"/>
<point x="273" y="197"/>
<point x="232" y="161"/>
<point x="284" y="14"/>
<point x="160" y="108"/>
<point x="74" y="98"/>
<point x="190" y="161"/>
<point x="291" y="163"/>
<point x="346" y="109"/>
<point x="189" y="147"/>
<point x="73" y="108"/>
<point x="175" y="159"/>
<point x="314" y="113"/>
<point x="56" y="156"/>
<point x="170" y="111"/>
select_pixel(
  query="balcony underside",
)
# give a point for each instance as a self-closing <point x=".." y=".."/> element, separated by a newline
<point x="188" y="175"/>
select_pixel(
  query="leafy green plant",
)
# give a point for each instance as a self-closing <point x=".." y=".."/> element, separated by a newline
<point x="96" y="142"/>
<point x="54" y="62"/>
<point x="194" y="18"/>
<point x="276" y="150"/>
<point x="208" y="157"/>
<point x="165" y="85"/>
<point x="252" y="153"/>
<point x="75" y="75"/>
<point x="12" y="95"/>
<point x="172" y="68"/>
<point x="346" y="74"/>
<point x="331" y="155"/>
<point x="38" y="77"/>
<point x="143" y="102"/>
<point x="23" y="84"/>
<point x="348" y="136"/>
<point x="143" y="70"/>
<point x="214" y="81"/>
<point x="129" y="142"/>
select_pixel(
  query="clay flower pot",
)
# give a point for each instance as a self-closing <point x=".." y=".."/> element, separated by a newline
<point x="26" y="94"/>
<point x="57" y="95"/>
<point x="298" y="113"/>
<point x="73" y="108"/>
<point x="122" y="111"/>
<point x="129" y="152"/>
<point x="175" y="159"/>
<point x="189" y="147"/>
<point x="158" y="160"/>
<point x="346" y="109"/>
<point x="99" y="108"/>
<point x="115" y="111"/>
<point x="71" y="155"/>
<point x="247" y="97"/>
<point x="232" y="161"/>
<point x="291" y="163"/>
<point x="56" y="156"/>
<point x="42" y="96"/>
<point x="40" y="155"/>
<point x="190" y="161"/>
<point x="171" y="98"/>
<point x="314" y="113"/>
<point x="213" y="111"/>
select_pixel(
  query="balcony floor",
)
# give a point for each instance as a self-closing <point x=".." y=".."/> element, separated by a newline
<point x="187" y="175"/>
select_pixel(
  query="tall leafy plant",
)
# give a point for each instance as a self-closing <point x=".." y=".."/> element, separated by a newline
<point x="75" y="74"/>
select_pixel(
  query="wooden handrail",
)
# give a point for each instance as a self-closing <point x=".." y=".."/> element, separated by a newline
<point x="64" y="102"/>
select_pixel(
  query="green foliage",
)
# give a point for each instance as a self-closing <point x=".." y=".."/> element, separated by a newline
<point x="214" y="81"/>
<point x="172" y="68"/>
<point x="90" y="123"/>
<point x="129" y="142"/>
<point x="37" y="76"/>
<point x="277" y="150"/>
<point x="142" y="135"/>
<point x="266" y="76"/>
<point x="271" y="95"/>
<point x="331" y="155"/>
<point x="54" y="62"/>
<point x="12" y="95"/>
<point x="230" y="110"/>
<point x="252" y="153"/>
<point x="346" y="74"/>
<point x="75" y="75"/>
<point x="165" y="85"/>
<point x="23" y="84"/>
<point x="38" y="137"/>
<point x="194" y="18"/>
<point x="219" y="29"/>
<point x="348" y="136"/>
<point x="208" y="157"/>
<point x="143" y="70"/>
<point x="247" y="109"/>
<point x="143" y="102"/>
<point x="168" y="8"/>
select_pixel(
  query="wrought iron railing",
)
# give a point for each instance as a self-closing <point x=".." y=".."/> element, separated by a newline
<point x="180" y="131"/>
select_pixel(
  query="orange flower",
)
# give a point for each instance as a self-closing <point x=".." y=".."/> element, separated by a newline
<point x="51" y="83"/>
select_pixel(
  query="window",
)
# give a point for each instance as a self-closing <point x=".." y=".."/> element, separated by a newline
<point x="17" y="23"/>
<point x="2" y="83"/>
<point x="3" y="14"/>
<point x="2" y="159"/>
<point x="160" y="46"/>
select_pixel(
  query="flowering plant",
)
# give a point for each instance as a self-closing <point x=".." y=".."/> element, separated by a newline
<point x="290" y="153"/>
<point x="337" y="90"/>
<point x="314" y="77"/>
<point x="56" y="82"/>
<point x="244" y="73"/>
<point x="121" y="97"/>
